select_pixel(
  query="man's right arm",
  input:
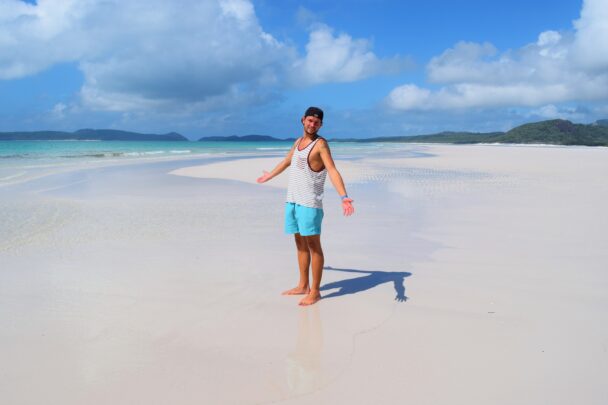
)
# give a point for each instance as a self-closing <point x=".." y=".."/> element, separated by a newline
<point x="284" y="164"/>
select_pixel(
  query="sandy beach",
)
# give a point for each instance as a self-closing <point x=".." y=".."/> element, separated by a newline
<point x="468" y="275"/>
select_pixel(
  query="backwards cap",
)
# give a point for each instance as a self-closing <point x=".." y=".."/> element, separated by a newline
<point x="315" y="112"/>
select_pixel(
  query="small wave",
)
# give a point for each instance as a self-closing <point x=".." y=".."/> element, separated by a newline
<point x="181" y="151"/>
<point x="95" y="155"/>
<point x="273" y="148"/>
<point x="63" y="140"/>
<point x="18" y="156"/>
<point x="533" y="145"/>
<point x="152" y="152"/>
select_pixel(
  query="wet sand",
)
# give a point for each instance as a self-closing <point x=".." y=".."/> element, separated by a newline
<point x="475" y="275"/>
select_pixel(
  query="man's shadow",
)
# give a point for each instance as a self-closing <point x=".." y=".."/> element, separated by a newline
<point x="369" y="281"/>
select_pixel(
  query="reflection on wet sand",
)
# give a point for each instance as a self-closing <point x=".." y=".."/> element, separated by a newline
<point x="304" y="362"/>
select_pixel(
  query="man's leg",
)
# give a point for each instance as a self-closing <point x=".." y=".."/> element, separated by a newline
<point x="316" y="253"/>
<point x="303" y="263"/>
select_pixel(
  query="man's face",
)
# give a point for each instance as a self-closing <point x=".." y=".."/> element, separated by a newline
<point x="311" y="124"/>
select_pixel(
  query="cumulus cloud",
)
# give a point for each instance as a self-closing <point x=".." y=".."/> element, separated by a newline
<point x="340" y="58"/>
<point x="218" y="54"/>
<point x="590" y="46"/>
<point x="552" y="111"/>
<point x="467" y="95"/>
<point x="35" y="37"/>
<point x="140" y="54"/>
<point x="557" y="68"/>
<point x="155" y="55"/>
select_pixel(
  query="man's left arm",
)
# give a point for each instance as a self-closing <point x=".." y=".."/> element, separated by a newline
<point x="335" y="177"/>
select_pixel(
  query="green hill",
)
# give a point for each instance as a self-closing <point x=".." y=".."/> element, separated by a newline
<point x="553" y="132"/>
<point x="557" y="132"/>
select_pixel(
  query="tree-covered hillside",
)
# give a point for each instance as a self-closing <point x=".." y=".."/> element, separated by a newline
<point x="553" y="132"/>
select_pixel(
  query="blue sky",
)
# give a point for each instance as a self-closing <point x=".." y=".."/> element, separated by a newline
<point x="223" y="67"/>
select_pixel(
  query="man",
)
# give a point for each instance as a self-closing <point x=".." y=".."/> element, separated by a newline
<point x="310" y="161"/>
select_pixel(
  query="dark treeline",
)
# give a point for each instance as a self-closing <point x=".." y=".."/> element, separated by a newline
<point x="553" y="132"/>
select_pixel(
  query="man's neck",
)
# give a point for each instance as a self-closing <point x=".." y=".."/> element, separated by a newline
<point x="311" y="137"/>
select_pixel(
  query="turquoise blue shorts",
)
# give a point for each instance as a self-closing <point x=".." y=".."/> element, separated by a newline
<point x="303" y="220"/>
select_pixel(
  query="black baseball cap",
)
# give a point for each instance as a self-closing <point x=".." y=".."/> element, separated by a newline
<point x="315" y="112"/>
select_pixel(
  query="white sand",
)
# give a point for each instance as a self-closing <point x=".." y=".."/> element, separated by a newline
<point x="133" y="286"/>
<point x="248" y="170"/>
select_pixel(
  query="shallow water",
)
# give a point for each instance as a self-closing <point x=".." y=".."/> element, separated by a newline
<point x="25" y="160"/>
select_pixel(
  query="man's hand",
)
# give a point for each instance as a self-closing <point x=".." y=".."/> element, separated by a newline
<point x="347" y="206"/>
<point x="264" y="178"/>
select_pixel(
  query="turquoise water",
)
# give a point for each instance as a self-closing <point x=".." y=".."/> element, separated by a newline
<point x="20" y="160"/>
<point x="113" y="149"/>
<point x="58" y="151"/>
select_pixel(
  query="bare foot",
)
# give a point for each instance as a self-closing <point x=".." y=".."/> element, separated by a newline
<point x="311" y="298"/>
<point x="297" y="291"/>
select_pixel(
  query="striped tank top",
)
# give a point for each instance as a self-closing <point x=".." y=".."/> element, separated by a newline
<point x="306" y="187"/>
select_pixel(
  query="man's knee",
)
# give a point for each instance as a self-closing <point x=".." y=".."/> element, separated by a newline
<point x="314" y="243"/>
<point x="301" y="242"/>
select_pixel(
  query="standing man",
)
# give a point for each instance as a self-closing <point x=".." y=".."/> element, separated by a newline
<point x="310" y="161"/>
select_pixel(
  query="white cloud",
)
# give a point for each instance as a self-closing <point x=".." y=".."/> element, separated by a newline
<point x="340" y="58"/>
<point x="218" y="52"/>
<point x="548" y="38"/>
<point x="547" y="111"/>
<point x="557" y="68"/>
<point x="552" y="111"/>
<point x="58" y="111"/>
<point x="410" y="97"/>
<point x="464" y="62"/>
<point x="468" y="95"/>
<point x="153" y="55"/>
<point x="306" y="17"/>
<point x="34" y="37"/>
<point x="591" y="46"/>
<point x="242" y="10"/>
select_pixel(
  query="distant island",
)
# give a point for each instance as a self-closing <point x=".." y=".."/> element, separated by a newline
<point x="552" y="132"/>
<point x="88" y="135"/>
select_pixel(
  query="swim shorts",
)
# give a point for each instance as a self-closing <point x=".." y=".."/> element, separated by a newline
<point x="303" y="220"/>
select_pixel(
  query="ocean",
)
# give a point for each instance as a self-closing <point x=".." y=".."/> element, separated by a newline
<point x="23" y="160"/>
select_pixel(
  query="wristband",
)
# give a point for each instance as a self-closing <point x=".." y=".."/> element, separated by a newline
<point x="344" y="196"/>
